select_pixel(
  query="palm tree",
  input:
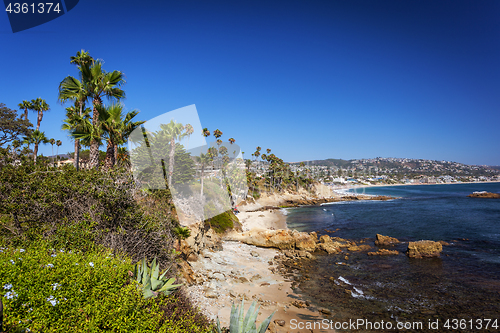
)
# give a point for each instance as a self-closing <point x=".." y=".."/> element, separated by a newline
<point x="72" y="123"/>
<point x="52" y="142"/>
<point x="203" y="160"/>
<point x="94" y="84"/>
<point x="173" y="131"/>
<point x="25" y="105"/>
<point x="117" y="128"/>
<point x="82" y="58"/>
<point x="231" y="141"/>
<point x="73" y="89"/>
<point x="181" y="233"/>
<point x="58" y="143"/>
<point x="188" y="130"/>
<point x="206" y="132"/>
<point x="37" y="137"/>
<point x="39" y="105"/>
<point x="100" y="84"/>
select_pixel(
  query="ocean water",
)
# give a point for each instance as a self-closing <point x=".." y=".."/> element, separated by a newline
<point x="463" y="284"/>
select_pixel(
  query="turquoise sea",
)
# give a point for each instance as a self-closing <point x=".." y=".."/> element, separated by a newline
<point x="463" y="284"/>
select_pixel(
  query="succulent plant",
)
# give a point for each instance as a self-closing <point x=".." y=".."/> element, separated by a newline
<point x="151" y="283"/>
<point x="241" y="323"/>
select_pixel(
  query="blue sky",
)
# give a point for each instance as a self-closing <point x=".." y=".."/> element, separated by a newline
<point x="308" y="79"/>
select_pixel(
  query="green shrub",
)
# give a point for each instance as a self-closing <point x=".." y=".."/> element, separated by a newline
<point x="223" y="222"/>
<point x="56" y="290"/>
<point x="77" y="209"/>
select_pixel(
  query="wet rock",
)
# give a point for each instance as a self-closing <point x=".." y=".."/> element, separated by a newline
<point x="424" y="249"/>
<point x="443" y="243"/>
<point x="385" y="240"/>
<point x="484" y="195"/>
<point x="329" y="248"/>
<point x="383" y="252"/>
<point x="356" y="248"/>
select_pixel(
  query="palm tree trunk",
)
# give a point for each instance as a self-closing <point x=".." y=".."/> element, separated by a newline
<point x="171" y="162"/>
<point x="115" y="148"/>
<point x="35" y="152"/>
<point x="26" y="113"/>
<point x="94" y="154"/>
<point x="110" y="155"/>
<point x="94" y="145"/>
<point x="76" y="163"/>
<point x="202" y="169"/>
<point x="39" y="120"/>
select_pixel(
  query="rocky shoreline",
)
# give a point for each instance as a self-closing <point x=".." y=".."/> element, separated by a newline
<point x="267" y="265"/>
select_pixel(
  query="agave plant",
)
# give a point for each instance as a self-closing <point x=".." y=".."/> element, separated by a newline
<point x="241" y="323"/>
<point x="152" y="284"/>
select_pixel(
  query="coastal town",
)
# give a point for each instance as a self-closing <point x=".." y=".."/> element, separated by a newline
<point x="381" y="171"/>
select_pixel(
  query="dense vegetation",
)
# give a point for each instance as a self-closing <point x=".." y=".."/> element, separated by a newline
<point x="70" y="235"/>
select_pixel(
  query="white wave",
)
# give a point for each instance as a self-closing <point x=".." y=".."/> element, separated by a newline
<point x="344" y="280"/>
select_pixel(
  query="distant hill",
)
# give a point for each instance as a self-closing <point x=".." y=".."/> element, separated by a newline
<point x="407" y="166"/>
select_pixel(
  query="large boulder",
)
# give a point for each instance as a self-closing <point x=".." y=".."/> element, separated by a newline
<point x="328" y="245"/>
<point x="424" y="249"/>
<point x="280" y="239"/>
<point x="382" y="240"/>
<point x="304" y="242"/>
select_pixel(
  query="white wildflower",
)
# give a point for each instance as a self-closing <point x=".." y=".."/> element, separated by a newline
<point x="53" y="255"/>
<point x="50" y="265"/>
<point x="8" y="286"/>
<point x="22" y="250"/>
<point x="12" y="262"/>
<point x="91" y="264"/>
<point x="10" y="294"/>
<point x="55" y="285"/>
<point x="52" y="300"/>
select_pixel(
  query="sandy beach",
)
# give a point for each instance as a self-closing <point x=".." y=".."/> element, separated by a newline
<point x="242" y="271"/>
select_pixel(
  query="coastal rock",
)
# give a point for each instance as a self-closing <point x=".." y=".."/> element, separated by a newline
<point x="280" y="322"/>
<point x="329" y="248"/>
<point x="356" y="248"/>
<point x="484" y="195"/>
<point x="385" y="240"/>
<point x="383" y="252"/>
<point x="325" y="239"/>
<point x="424" y="249"/>
<point x="187" y="273"/>
<point x="201" y="238"/>
<point x="280" y="239"/>
<point x="210" y="293"/>
<point x="305" y="242"/>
